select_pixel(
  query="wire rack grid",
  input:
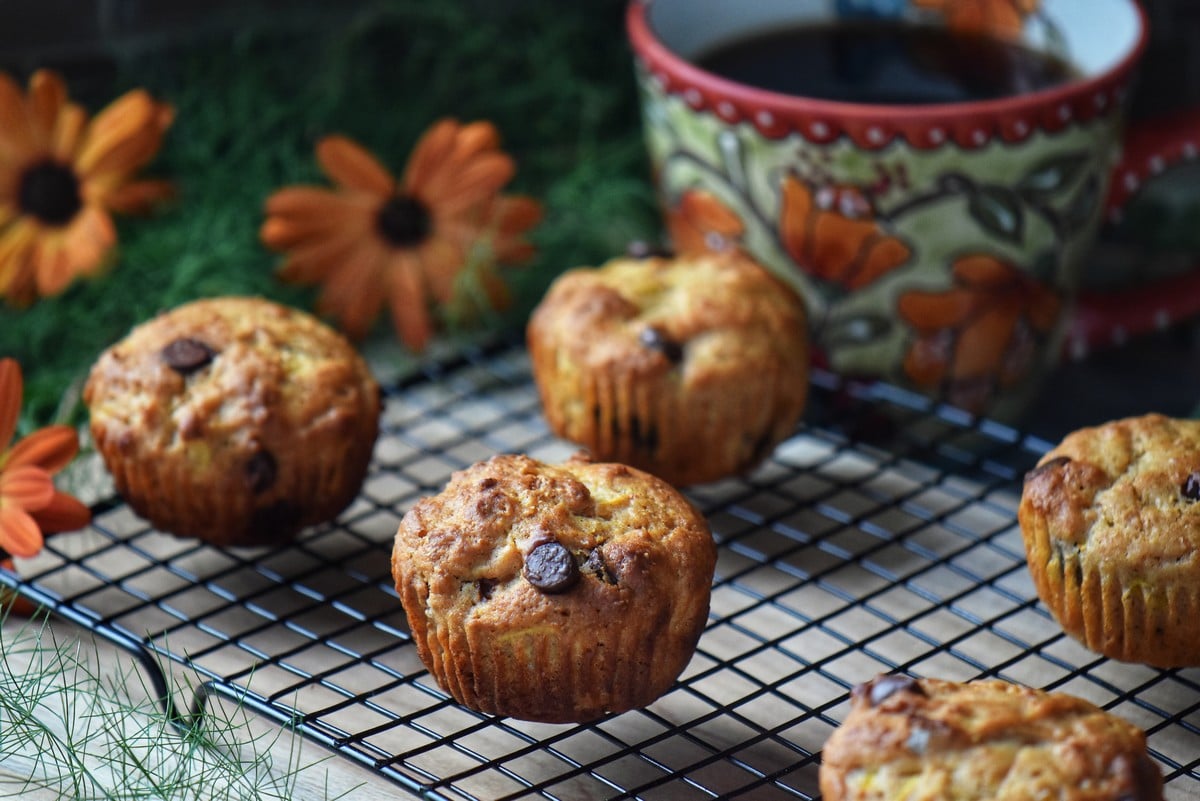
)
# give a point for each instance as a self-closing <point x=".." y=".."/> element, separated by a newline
<point x="881" y="537"/>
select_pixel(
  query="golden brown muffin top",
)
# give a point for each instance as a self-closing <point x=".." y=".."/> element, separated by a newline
<point x="1119" y="491"/>
<point x="226" y="371"/>
<point x="710" y="313"/>
<point x="513" y="541"/>
<point x="929" y="739"/>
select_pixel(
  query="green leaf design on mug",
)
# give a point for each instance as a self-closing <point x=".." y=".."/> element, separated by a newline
<point x="1052" y="176"/>
<point x="1083" y="206"/>
<point x="998" y="211"/>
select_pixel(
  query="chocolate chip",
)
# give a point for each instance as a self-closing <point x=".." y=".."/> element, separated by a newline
<point x="1191" y="487"/>
<point x="596" y="565"/>
<point x="1046" y="467"/>
<point x="656" y="339"/>
<point x="551" y="568"/>
<point x="641" y="249"/>
<point x="485" y="587"/>
<point x="186" y="355"/>
<point x="261" y="471"/>
<point x="880" y="688"/>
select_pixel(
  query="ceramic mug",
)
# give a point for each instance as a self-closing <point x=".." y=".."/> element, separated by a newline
<point x="938" y="247"/>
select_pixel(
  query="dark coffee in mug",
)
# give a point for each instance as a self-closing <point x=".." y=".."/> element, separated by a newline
<point x="886" y="63"/>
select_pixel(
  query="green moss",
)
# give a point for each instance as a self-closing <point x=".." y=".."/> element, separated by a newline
<point x="556" y="78"/>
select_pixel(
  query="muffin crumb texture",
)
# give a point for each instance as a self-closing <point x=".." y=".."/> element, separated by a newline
<point x="1111" y="524"/>
<point x="554" y="593"/>
<point x="692" y="368"/>
<point x="936" y="740"/>
<point x="235" y="420"/>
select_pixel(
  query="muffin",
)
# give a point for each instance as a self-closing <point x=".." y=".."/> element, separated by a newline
<point x="1111" y="524"/>
<point x="554" y="593"/>
<point x="693" y="367"/>
<point x="934" y="740"/>
<point x="237" y="421"/>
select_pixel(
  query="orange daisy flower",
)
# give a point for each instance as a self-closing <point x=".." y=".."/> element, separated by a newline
<point x="979" y="335"/>
<point x="700" y="222"/>
<point x="1005" y="17"/>
<point x="826" y="242"/>
<point x="30" y="506"/>
<point x="374" y="239"/>
<point x="61" y="178"/>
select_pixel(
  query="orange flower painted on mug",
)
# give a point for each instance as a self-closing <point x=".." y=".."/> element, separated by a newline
<point x="983" y="16"/>
<point x="980" y="335"/>
<point x="838" y="240"/>
<point x="701" y="223"/>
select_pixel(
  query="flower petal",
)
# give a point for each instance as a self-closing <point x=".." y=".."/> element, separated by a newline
<point x="795" y="219"/>
<point x="478" y="181"/>
<point x="15" y="134"/>
<point x="931" y="311"/>
<point x="316" y="259"/>
<point x="17" y="280"/>
<point x="323" y="209"/>
<point x="26" y="486"/>
<point x="52" y="266"/>
<point x="983" y="271"/>
<point x="139" y="197"/>
<point x="68" y="132"/>
<point x="124" y="136"/>
<point x="980" y="349"/>
<point x="47" y="95"/>
<point x="12" y="388"/>
<point x="707" y="213"/>
<point x="429" y="154"/>
<point x="19" y="533"/>
<point x="353" y="292"/>
<point x="351" y="165"/>
<point x="51" y="448"/>
<point x="440" y="262"/>
<point x="79" y="250"/>
<point x="406" y="300"/>
<point x="63" y="513"/>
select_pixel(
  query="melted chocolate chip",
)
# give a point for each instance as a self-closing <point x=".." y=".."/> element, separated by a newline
<point x="596" y="565"/>
<point x="186" y="355"/>
<point x="1046" y="467"/>
<point x="261" y="471"/>
<point x="641" y="249"/>
<point x="881" y="688"/>
<point x="656" y="339"/>
<point x="551" y="568"/>
<point x="1191" y="487"/>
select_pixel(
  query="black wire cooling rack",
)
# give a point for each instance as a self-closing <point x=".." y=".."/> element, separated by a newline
<point x="880" y="537"/>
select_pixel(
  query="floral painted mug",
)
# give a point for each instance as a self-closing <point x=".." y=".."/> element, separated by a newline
<point x="938" y="241"/>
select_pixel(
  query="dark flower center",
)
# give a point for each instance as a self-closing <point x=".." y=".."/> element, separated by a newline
<point x="50" y="192"/>
<point x="404" y="221"/>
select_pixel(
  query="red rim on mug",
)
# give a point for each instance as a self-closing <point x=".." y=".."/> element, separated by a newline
<point x="970" y="124"/>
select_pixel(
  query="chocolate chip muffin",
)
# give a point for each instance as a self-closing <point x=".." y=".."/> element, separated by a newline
<point x="554" y="593"/>
<point x="693" y="368"/>
<point x="1111" y="523"/>
<point x="235" y="420"/>
<point x="935" y="740"/>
